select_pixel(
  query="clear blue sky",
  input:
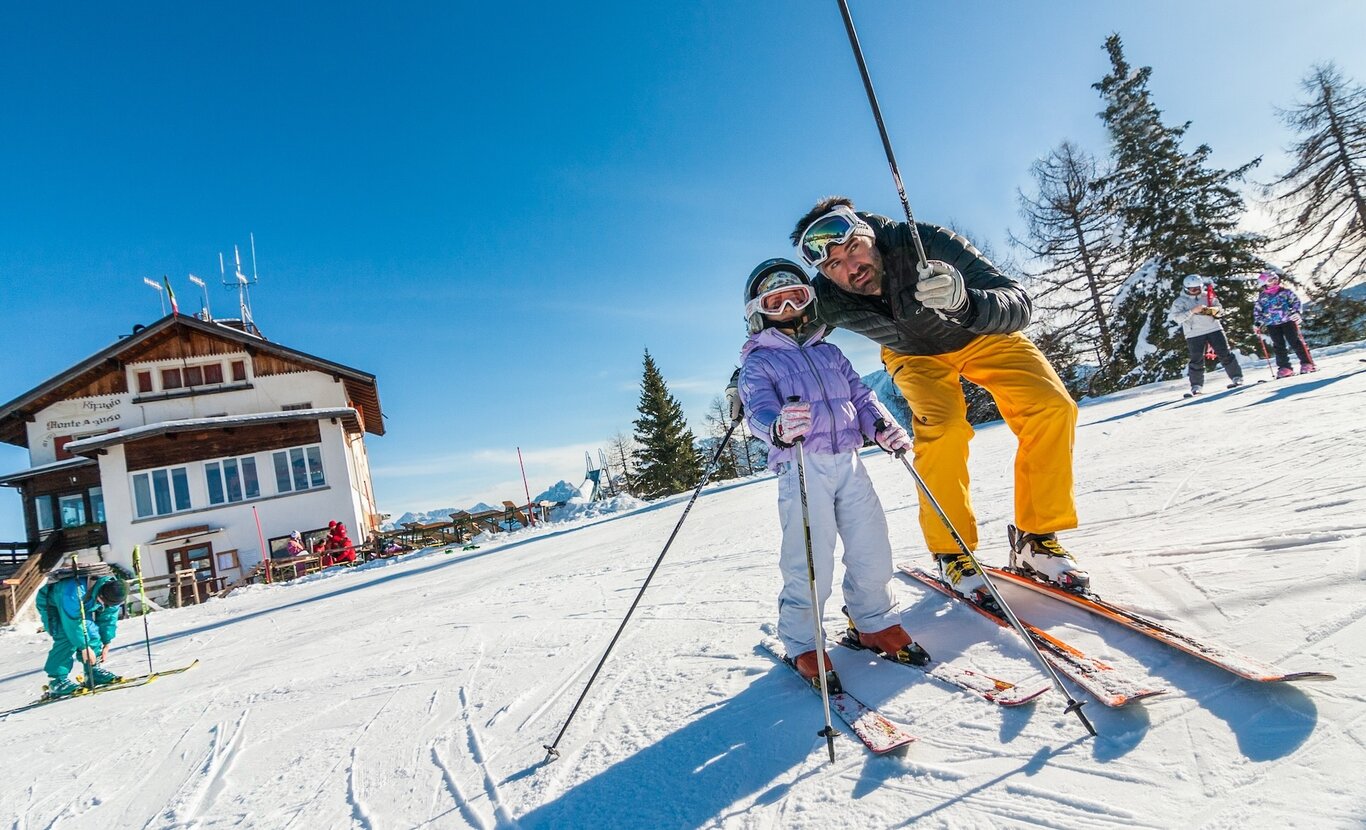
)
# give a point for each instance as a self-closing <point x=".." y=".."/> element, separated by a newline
<point x="496" y="207"/>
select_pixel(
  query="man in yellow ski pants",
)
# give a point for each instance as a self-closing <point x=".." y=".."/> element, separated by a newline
<point x="961" y="318"/>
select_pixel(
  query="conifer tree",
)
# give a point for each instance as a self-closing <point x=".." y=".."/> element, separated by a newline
<point x="718" y="422"/>
<point x="620" y="451"/>
<point x="1321" y="203"/>
<point x="1072" y="233"/>
<point x="1322" y="199"/>
<point x="666" y="461"/>
<point x="1179" y="216"/>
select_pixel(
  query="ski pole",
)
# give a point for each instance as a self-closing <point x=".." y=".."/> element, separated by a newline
<point x="828" y="732"/>
<point x="142" y="596"/>
<point x="1073" y="705"/>
<point x="1299" y="335"/>
<point x="1257" y="332"/>
<point x="552" y="752"/>
<point x="922" y="268"/>
<point x="85" y="636"/>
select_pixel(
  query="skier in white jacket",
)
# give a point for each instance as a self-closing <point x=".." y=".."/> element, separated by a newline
<point x="1196" y="310"/>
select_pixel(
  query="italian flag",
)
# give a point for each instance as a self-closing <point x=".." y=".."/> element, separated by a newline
<point x="175" y="309"/>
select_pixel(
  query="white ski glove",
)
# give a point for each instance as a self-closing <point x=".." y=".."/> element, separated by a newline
<point x="942" y="289"/>
<point x="793" y="423"/>
<point x="733" y="403"/>
<point x="893" y="438"/>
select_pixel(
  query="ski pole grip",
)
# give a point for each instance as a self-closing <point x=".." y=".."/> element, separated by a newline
<point x="796" y="399"/>
<point x="879" y="425"/>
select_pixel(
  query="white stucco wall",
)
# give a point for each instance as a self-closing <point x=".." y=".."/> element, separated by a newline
<point x="279" y="513"/>
<point x="81" y="417"/>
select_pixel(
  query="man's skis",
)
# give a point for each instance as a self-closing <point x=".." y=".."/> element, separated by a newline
<point x="1102" y="681"/>
<point x="993" y="689"/>
<point x="1230" y="661"/>
<point x="877" y="733"/>
<point x="125" y="683"/>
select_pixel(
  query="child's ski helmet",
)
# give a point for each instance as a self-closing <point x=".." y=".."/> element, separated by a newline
<point x="770" y="275"/>
<point x="1193" y="281"/>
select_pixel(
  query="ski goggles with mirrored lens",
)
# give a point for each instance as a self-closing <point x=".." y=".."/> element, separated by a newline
<point x="794" y="297"/>
<point x="834" y="228"/>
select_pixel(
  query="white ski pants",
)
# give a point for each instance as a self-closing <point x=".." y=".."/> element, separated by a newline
<point x="841" y="499"/>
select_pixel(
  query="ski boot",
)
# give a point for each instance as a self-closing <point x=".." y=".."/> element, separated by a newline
<point x="1306" y="368"/>
<point x="957" y="571"/>
<point x="806" y="667"/>
<point x="1195" y="390"/>
<point x="1285" y="372"/>
<point x="892" y="643"/>
<point x="1236" y="382"/>
<point x="103" y="677"/>
<point x="1040" y="556"/>
<point x="62" y="687"/>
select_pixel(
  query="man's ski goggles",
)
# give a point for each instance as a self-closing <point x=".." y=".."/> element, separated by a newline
<point x="834" y="228"/>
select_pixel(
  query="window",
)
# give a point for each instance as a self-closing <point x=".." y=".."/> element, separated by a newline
<point x="194" y="375"/>
<point x="72" y="510"/>
<point x="161" y="492"/>
<point x="43" y="507"/>
<point x="144" y="382"/>
<point x="97" y="504"/>
<point x="232" y="480"/>
<point x="170" y="379"/>
<point x="299" y="468"/>
<point x="295" y="407"/>
<point x="213" y="373"/>
<point x="239" y="370"/>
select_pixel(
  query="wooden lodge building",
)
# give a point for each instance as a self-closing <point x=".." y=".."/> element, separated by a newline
<point x="176" y="439"/>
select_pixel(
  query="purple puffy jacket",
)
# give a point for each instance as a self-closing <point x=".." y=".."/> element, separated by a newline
<point x="775" y="367"/>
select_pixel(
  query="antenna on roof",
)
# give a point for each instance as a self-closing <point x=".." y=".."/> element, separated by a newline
<point x="161" y="292"/>
<point x="242" y="283"/>
<point x="205" y="314"/>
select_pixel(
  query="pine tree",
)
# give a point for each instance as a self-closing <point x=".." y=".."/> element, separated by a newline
<point x="620" y="450"/>
<point x="1322" y="199"/>
<point x="1071" y="231"/>
<point x="667" y="461"/>
<point x="718" y="423"/>
<point x="1321" y="203"/>
<point x="1178" y="216"/>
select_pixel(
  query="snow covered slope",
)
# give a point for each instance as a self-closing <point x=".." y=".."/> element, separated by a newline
<point x="419" y="692"/>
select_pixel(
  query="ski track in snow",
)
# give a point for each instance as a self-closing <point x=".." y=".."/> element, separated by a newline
<point x="358" y="808"/>
<point x="500" y="810"/>
<point x="207" y="781"/>
<point x="462" y="802"/>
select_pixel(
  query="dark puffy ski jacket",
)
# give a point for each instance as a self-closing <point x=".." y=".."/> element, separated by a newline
<point x="996" y="303"/>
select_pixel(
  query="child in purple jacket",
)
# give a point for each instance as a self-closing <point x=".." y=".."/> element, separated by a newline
<point x="795" y="386"/>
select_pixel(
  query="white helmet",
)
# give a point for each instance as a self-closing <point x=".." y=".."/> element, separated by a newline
<point x="1192" y="281"/>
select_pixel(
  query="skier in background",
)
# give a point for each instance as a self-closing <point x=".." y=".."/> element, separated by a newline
<point x="81" y="614"/>
<point x="1277" y="313"/>
<point x="963" y="319"/>
<point x="796" y="387"/>
<point x="1196" y="310"/>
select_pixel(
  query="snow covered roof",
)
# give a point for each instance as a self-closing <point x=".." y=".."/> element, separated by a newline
<point x="122" y="436"/>
<point x="50" y="467"/>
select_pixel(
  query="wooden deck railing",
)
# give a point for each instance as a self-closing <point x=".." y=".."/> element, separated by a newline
<point x="19" y="586"/>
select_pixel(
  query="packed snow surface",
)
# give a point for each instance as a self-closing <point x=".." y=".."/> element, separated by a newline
<point x="418" y="692"/>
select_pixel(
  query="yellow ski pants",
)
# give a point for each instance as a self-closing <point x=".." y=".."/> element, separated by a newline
<point x="1036" y="407"/>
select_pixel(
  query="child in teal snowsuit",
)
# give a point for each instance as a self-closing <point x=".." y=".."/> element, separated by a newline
<point x="81" y="613"/>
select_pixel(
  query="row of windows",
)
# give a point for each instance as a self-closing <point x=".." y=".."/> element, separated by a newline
<point x="227" y="480"/>
<point x="185" y="377"/>
<point x="70" y="510"/>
